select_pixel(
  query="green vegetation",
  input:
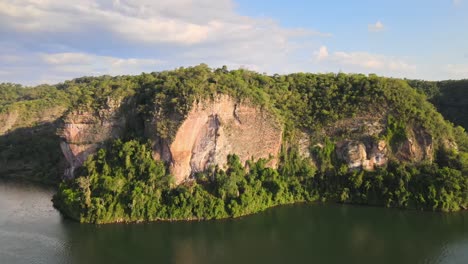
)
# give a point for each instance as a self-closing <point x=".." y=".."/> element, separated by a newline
<point x="123" y="183"/>
<point x="32" y="154"/>
<point x="450" y="98"/>
<point x="30" y="105"/>
<point x="29" y="147"/>
<point x="30" y="117"/>
<point x="126" y="184"/>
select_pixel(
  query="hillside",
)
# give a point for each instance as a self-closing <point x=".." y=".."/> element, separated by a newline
<point x="449" y="97"/>
<point x="197" y="143"/>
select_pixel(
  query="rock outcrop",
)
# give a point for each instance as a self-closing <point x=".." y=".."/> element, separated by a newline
<point x="83" y="132"/>
<point x="8" y="120"/>
<point x="416" y="147"/>
<point x="214" y="129"/>
<point x="210" y="131"/>
<point x="359" y="155"/>
<point x="360" y="149"/>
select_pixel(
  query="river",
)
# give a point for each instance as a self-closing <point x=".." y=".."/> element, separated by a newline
<point x="32" y="231"/>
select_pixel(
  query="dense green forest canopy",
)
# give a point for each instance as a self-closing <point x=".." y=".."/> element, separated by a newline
<point x="450" y="98"/>
<point x="301" y="99"/>
<point x="178" y="88"/>
<point x="123" y="183"/>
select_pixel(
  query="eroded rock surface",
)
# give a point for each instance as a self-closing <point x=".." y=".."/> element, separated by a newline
<point x="7" y="120"/>
<point x="417" y="147"/>
<point x="359" y="155"/>
<point x="214" y="129"/>
<point x="83" y="132"/>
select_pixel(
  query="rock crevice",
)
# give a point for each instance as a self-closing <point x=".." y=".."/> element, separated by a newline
<point x="214" y="129"/>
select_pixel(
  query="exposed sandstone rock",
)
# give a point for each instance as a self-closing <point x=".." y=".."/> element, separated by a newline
<point x="304" y="145"/>
<point x="369" y="154"/>
<point x="7" y="120"/>
<point x="214" y="129"/>
<point x="353" y="152"/>
<point x="84" y="131"/>
<point x="417" y="147"/>
<point x="359" y="155"/>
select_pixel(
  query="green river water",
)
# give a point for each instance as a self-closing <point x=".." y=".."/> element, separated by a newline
<point x="32" y="231"/>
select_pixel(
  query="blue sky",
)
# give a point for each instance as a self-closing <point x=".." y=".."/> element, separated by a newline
<point x="49" y="41"/>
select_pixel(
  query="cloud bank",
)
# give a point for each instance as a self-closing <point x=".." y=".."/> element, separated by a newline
<point x="54" y="40"/>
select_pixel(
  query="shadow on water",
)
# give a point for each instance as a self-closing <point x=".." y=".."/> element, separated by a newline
<point x="289" y="234"/>
<point x="32" y="231"/>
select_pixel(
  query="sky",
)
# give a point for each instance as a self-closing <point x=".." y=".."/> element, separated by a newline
<point x="49" y="41"/>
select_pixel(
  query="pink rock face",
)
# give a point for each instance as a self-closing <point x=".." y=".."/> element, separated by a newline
<point x="213" y="130"/>
<point x="417" y="147"/>
<point x="76" y="156"/>
<point x="83" y="133"/>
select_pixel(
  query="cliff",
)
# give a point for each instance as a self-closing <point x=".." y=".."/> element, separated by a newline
<point x="214" y="128"/>
<point x="363" y="142"/>
<point x="201" y="143"/>
<point x="84" y="131"/>
<point x="211" y="131"/>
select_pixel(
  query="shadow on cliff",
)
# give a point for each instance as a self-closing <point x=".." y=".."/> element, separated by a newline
<point x="32" y="153"/>
<point x="452" y="103"/>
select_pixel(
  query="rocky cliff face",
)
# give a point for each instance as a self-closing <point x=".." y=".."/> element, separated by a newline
<point x="360" y="155"/>
<point x="84" y="131"/>
<point x="416" y="147"/>
<point x="214" y="129"/>
<point x="360" y="147"/>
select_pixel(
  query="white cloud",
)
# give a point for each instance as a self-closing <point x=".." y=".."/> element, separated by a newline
<point x="322" y="53"/>
<point x="54" y="40"/>
<point x="67" y="58"/>
<point x="377" y="27"/>
<point x="181" y="32"/>
<point x="182" y="22"/>
<point x="456" y="71"/>
<point x="57" y="67"/>
<point x="456" y="2"/>
<point x="371" y="61"/>
<point x="97" y="65"/>
<point x="363" y="62"/>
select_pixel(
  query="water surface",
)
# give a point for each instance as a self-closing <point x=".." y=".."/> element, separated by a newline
<point x="32" y="231"/>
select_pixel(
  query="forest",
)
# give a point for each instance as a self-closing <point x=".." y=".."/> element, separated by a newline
<point x="123" y="183"/>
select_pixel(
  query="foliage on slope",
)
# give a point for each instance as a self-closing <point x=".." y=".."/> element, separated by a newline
<point x="29" y="146"/>
<point x="450" y="98"/>
<point x="133" y="187"/>
<point x="125" y="184"/>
